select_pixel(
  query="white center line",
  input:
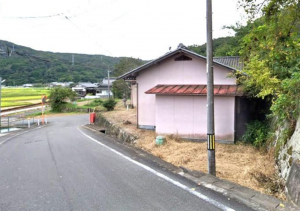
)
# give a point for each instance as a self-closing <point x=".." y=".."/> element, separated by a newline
<point x="178" y="184"/>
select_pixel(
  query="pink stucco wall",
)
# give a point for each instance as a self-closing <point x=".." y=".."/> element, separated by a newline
<point x="173" y="72"/>
<point x="186" y="115"/>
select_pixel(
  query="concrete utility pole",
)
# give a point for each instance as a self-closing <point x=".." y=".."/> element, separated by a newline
<point x="108" y="85"/>
<point x="210" y="93"/>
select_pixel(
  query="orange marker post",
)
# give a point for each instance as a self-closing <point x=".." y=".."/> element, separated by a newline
<point x="44" y="97"/>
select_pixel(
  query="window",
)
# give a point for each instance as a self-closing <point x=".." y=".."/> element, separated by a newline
<point x="183" y="58"/>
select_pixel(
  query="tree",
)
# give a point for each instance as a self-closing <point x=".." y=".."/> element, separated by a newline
<point x="125" y="65"/>
<point x="58" y="97"/>
<point x="119" y="88"/>
<point x="271" y="50"/>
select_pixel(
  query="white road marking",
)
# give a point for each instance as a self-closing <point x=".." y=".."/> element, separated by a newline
<point x="178" y="184"/>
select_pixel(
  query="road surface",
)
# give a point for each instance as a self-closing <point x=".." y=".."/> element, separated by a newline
<point x="62" y="166"/>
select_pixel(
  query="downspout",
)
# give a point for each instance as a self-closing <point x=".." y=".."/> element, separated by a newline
<point x="235" y="118"/>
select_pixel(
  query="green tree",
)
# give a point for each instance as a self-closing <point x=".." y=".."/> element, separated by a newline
<point x="58" y="97"/>
<point x="125" y="65"/>
<point x="119" y="88"/>
<point x="225" y="46"/>
<point x="271" y="51"/>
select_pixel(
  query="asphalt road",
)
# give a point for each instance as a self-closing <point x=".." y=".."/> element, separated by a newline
<point x="63" y="167"/>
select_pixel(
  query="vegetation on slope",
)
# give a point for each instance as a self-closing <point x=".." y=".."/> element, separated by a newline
<point x="18" y="70"/>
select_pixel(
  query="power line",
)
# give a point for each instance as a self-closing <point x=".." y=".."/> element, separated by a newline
<point x="63" y="13"/>
<point x="38" y="17"/>
<point x="87" y="34"/>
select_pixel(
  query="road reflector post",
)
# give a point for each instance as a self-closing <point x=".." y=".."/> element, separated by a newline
<point x="28" y="123"/>
<point x="38" y="122"/>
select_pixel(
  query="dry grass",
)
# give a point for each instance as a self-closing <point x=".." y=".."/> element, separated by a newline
<point x="241" y="164"/>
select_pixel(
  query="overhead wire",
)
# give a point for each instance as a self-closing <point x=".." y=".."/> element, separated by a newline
<point x="66" y="17"/>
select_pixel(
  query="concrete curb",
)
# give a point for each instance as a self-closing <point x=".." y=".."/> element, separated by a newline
<point x="251" y="198"/>
<point x="247" y="196"/>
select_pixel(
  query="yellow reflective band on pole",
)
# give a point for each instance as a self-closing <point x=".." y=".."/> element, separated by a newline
<point x="211" y="142"/>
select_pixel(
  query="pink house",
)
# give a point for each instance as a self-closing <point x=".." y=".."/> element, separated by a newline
<point x="170" y="95"/>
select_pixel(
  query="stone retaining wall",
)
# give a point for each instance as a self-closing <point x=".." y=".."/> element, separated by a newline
<point x="293" y="183"/>
<point x="289" y="165"/>
<point x="289" y="152"/>
<point x="115" y="130"/>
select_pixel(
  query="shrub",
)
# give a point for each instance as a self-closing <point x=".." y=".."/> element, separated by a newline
<point x="58" y="96"/>
<point x="109" y="104"/>
<point x="256" y="133"/>
<point x="95" y="103"/>
<point x="98" y="101"/>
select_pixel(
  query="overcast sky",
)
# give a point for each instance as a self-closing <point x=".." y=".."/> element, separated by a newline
<point x="134" y="28"/>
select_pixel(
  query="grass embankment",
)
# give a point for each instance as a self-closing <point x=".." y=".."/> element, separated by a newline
<point x="239" y="163"/>
<point x="13" y="97"/>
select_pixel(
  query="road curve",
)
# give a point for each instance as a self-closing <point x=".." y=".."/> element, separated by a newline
<point x="62" y="167"/>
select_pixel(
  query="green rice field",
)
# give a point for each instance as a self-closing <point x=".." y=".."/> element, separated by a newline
<point x="12" y="97"/>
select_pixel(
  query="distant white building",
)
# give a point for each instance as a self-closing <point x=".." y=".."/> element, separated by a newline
<point x="84" y="88"/>
<point x="62" y="84"/>
<point x="103" y="93"/>
<point x="97" y="90"/>
<point x="27" y="85"/>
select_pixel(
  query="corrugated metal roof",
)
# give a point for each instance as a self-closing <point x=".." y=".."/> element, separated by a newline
<point x="231" y="61"/>
<point x="224" y="90"/>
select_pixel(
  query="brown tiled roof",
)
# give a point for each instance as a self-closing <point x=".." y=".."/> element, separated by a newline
<point x="225" y="90"/>
<point x="230" y="61"/>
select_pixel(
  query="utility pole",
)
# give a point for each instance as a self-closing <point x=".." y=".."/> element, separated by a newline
<point x="210" y="93"/>
<point x="108" y="83"/>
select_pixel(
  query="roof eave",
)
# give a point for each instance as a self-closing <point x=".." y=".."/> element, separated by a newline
<point x="180" y="50"/>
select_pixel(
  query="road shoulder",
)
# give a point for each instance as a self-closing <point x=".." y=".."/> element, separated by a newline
<point x="246" y="196"/>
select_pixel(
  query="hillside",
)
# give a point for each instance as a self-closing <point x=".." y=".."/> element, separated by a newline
<point x="18" y="69"/>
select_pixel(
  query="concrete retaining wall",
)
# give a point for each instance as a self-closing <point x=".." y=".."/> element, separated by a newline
<point x="293" y="183"/>
<point x="115" y="130"/>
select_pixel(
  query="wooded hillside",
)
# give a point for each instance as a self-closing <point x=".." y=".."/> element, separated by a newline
<point x="18" y="69"/>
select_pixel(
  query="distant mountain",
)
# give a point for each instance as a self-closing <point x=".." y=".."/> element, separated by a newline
<point x="26" y="65"/>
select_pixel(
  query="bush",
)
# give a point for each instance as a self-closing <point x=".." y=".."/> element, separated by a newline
<point x="58" y="96"/>
<point x="94" y="103"/>
<point x="256" y="133"/>
<point x="98" y="101"/>
<point x="109" y="104"/>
